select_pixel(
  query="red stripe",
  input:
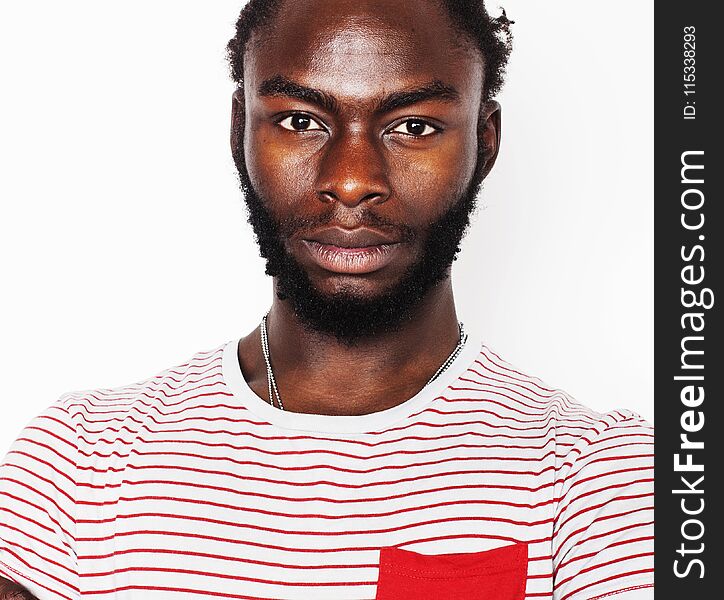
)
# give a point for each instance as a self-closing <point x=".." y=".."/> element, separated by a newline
<point x="605" y="580"/>
<point x="42" y="510"/>
<point x="514" y="386"/>
<point x="249" y="560"/>
<point x="599" y="521"/>
<point x="257" y="544"/>
<point x="156" y="390"/>
<point x="513" y="488"/>
<point x="386" y="498"/>
<point x="217" y="575"/>
<point x="22" y="578"/>
<point x="544" y="418"/>
<point x="322" y="481"/>
<point x="622" y="484"/>
<point x="628" y="588"/>
<point x="186" y="409"/>
<point x="311" y="452"/>
<point x="627" y="528"/>
<point x="609" y="502"/>
<point x="38" y="492"/>
<point x="28" y="519"/>
<point x="613" y="486"/>
<point x="29" y="536"/>
<point x="194" y="591"/>
<point x="603" y="460"/>
<point x="525" y="378"/>
<point x="603" y="549"/>
<point x="507" y="367"/>
<point x="85" y="400"/>
<point x="44" y="558"/>
<point x="60" y="422"/>
<point x="51" y="434"/>
<point x="288" y="468"/>
<point x="248" y="509"/>
<point x="221" y="557"/>
<point x="542" y="403"/>
<point x="474" y="423"/>
<point x="51" y="466"/>
<point x="318" y="450"/>
<point x="342" y="441"/>
<point x="63" y="582"/>
<point x="307" y="531"/>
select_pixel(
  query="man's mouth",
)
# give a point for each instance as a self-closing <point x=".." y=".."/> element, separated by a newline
<point x="351" y="260"/>
<point x="351" y="251"/>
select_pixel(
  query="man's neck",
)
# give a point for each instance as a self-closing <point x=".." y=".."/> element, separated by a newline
<point x="316" y="373"/>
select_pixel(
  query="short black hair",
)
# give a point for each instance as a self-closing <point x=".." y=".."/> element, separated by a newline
<point x="492" y="36"/>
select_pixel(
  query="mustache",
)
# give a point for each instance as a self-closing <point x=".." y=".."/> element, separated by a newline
<point x="299" y="225"/>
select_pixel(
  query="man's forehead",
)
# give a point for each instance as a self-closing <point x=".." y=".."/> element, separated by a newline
<point x="355" y="48"/>
<point x="314" y="16"/>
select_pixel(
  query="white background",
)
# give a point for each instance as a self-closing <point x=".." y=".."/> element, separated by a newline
<point x="123" y="237"/>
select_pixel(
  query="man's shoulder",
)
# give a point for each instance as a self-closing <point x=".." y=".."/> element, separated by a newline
<point x="530" y="400"/>
<point x="160" y="397"/>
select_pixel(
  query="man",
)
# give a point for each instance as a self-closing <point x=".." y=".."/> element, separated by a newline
<point x="356" y="444"/>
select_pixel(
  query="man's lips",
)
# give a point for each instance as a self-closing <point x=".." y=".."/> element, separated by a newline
<point x="351" y="251"/>
<point x="353" y="261"/>
<point x="350" y="238"/>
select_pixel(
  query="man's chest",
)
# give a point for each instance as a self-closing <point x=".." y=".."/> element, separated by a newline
<point x="268" y="523"/>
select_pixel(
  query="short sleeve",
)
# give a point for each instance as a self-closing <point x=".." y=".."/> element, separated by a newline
<point x="603" y="537"/>
<point x="37" y="506"/>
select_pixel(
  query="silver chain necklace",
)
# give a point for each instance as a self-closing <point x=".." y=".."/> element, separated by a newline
<point x="273" y="384"/>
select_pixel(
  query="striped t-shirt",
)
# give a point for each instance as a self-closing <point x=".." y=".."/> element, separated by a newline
<point x="486" y="484"/>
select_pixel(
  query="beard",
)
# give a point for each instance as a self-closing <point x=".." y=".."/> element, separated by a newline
<point x="342" y="314"/>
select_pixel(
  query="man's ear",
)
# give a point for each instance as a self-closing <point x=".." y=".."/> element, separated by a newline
<point x="238" y="117"/>
<point x="489" y="133"/>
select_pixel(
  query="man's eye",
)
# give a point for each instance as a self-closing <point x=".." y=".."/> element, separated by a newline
<point x="415" y="127"/>
<point x="300" y="122"/>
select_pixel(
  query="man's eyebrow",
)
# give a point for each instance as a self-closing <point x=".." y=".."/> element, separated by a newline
<point x="279" y="85"/>
<point x="283" y="86"/>
<point x="435" y="90"/>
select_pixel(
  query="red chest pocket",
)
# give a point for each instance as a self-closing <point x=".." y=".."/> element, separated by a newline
<point x="498" y="574"/>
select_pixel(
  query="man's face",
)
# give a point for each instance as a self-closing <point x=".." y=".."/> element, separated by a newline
<point x="362" y="154"/>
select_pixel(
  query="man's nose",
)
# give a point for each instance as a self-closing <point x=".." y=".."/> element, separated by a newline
<point x="352" y="170"/>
